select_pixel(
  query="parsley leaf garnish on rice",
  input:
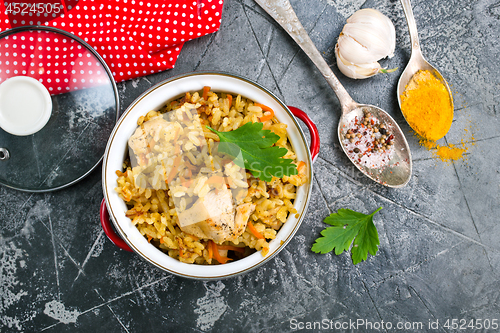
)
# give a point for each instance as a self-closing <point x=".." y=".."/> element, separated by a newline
<point x="259" y="155"/>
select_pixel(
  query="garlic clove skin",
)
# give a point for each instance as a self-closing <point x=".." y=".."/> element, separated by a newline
<point x="367" y="37"/>
<point x="354" y="52"/>
<point x="356" y="71"/>
<point x="376" y="25"/>
<point x="374" y="44"/>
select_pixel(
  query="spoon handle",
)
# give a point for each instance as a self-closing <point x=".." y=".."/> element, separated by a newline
<point x="412" y="25"/>
<point x="282" y="12"/>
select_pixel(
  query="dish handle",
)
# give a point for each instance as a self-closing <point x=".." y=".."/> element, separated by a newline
<point x="108" y="229"/>
<point x="313" y="130"/>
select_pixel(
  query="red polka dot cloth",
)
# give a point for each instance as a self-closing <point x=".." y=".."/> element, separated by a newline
<point x="60" y="63"/>
<point x="135" y="38"/>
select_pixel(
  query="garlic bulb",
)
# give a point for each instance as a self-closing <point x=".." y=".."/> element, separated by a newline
<point x="367" y="37"/>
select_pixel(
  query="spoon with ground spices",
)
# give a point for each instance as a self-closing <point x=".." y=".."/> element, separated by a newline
<point x="424" y="96"/>
<point x="368" y="135"/>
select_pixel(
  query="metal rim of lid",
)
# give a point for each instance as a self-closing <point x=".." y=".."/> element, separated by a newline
<point x="6" y="154"/>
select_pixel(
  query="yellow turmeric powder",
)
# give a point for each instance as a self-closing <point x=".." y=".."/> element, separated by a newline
<point x="428" y="109"/>
<point x="447" y="153"/>
<point x="427" y="106"/>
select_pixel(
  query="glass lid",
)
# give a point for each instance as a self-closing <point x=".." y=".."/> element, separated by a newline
<point x="58" y="106"/>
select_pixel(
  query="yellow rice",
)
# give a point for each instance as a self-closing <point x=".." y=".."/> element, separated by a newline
<point x="153" y="211"/>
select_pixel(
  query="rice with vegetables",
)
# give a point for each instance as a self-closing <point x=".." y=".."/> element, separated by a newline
<point x="194" y="203"/>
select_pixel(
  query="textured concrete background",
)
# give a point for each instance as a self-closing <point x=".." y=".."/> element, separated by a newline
<point x="439" y="254"/>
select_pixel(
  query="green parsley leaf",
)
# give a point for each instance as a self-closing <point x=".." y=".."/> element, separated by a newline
<point x="349" y="225"/>
<point x="258" y="153"/>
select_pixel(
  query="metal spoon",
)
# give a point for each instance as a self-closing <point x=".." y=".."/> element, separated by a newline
<point x="417" y="61"/>
<point x="397" y="172"/>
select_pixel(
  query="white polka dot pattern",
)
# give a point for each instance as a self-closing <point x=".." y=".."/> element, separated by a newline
<point x="134" y="37"/>
<point x="61" y="64"/>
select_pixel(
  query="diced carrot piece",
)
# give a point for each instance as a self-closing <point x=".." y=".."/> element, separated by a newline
<point x="217" y="256"/>
<point x="268" y="112"/>
<point x="254" y="231"/>
<point x="172" y="173"/>
<point x="216" y="180"/>
<point x="210" y="249"/>
<point x="206" y="89"/>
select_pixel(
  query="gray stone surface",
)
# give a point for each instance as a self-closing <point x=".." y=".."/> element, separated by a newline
<point x="439" y="254"/>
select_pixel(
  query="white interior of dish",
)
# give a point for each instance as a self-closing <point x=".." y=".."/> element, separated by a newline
<point x="116" y="150"/>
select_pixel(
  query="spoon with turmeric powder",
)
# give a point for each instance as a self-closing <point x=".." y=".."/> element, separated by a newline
<point x="368" y="135"/>
<point x="424" y="96"/>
